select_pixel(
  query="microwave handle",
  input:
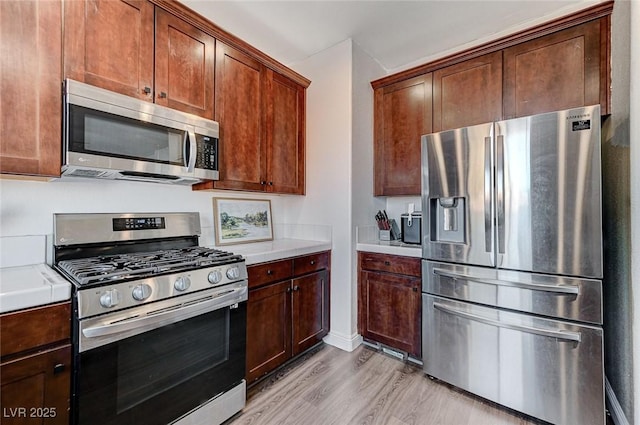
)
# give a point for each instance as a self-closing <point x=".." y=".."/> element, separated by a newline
<point x="192" y="146"/>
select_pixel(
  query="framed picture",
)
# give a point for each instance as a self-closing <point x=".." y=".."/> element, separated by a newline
<point x="242" y="220"/>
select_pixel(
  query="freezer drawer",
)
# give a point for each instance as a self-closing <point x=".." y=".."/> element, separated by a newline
<point x="554" y="296"/>
<point x="549" y="369"/>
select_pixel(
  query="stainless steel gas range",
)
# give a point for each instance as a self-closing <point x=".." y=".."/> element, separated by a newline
<point x="159" y="324"/>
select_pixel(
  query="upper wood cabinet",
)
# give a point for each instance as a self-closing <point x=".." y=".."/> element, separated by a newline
<point x="133" y="48"/>
<point x="262" y="126"/>
<point x="402" y="114"/>
<point x="468" y="93"/>
<point x="555" y="72"/>
<point x="30" y="83"/>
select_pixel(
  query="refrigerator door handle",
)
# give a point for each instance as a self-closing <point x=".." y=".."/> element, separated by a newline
<point x="560" y="334"/>
<point x="488" y="184"/>
<point x="557" y="289"/>
<point x="500" y="193"/>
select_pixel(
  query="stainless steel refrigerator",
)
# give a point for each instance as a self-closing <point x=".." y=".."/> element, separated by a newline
<point x="512" y="263"/>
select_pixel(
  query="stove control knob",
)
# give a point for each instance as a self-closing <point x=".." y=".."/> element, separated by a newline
<point x="110" y="298"/>
<point x="215" y="277"/>
<point x="182" y="283"/>
<point x="141" y="292"/>
<point x="233" y="272"/>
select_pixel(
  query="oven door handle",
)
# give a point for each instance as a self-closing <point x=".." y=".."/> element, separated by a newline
<point x="156" y="319"/>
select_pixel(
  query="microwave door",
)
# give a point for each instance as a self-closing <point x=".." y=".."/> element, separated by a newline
<point x="548" y="193"/>
<point x="457" y="196"/>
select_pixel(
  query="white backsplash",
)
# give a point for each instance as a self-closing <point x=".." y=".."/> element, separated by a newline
<point x="16" y="251"/>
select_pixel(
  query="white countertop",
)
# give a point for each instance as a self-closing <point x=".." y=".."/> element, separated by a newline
<point x="277" y="249"/>
<point x="390" y="247"/>
<point x="31" y="286"/>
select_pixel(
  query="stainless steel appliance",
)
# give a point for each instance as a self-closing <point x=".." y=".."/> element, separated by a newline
<point x="159" y="323"/>
<point x="512" y="263"/>
<point x="111" y="136"/>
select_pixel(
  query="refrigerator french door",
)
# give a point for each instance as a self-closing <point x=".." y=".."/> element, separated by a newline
<point x="512" y="263"/>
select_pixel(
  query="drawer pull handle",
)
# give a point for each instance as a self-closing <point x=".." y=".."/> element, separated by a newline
<point x="387" y="263"/>
<point x="59" y="368"/>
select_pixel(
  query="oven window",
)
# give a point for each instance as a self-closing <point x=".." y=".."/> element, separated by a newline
<point x="162" y="359"/>
<point x="158" y="376"/>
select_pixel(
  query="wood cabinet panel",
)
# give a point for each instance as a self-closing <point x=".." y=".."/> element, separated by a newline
<point x="39" y="384"/>
<point x="397" y="264"/>
<point x="285" y="135"/>
<point x="46" y="325"/>
<point x="268" y="328"/>
<point x="556" y="72"/>
<point x="468" y="93"/>
<point x="261" y="274"/>
<point x="310" y="263"/>
<point x="110" y="44"/>
<point x="239" y="97"/>
<point x="391" y="310"/>
<point x="184" y="66"/>
<point x="403" y="113"/>
<point x="309" y="309"/>
<point x="30" y="83"/>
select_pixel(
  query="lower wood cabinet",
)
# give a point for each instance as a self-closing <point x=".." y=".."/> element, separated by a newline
<point x="389" y="301"/>
<point x="35" y="365"/>
<point x="287" y="310"/>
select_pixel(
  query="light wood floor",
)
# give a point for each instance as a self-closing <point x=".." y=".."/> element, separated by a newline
<point x="331" y="386"/>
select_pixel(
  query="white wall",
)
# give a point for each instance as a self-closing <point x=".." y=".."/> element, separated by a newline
<point x="329" y="186"/>
<point x="635" y="199"/>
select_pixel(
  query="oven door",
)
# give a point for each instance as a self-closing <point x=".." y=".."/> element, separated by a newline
<point x="153" y="366"/>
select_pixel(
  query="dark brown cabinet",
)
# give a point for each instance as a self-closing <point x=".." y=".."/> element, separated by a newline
<point x="555" y="72"/>
<point x="402" y="114"/>
<point x="262" y="137"/>
<point x="468" y="93"/>
<point x="287" y="310"/>
<point x="389" y="301"/>
<point x="35" y="365"/>
<point x="133" y="48"/>
<point x="30" y="83"/>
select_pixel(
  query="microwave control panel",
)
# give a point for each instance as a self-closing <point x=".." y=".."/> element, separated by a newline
<point x="207" y="152"/>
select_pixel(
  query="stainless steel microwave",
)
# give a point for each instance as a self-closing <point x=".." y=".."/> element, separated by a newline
<point x="111" y="136"/>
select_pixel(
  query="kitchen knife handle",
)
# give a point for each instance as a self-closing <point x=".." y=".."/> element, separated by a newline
<point x="500" y="193"/>
<point x="488" y="184"/>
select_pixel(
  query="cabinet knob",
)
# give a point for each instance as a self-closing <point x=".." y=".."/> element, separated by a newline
<point x="289" y="289"/>
<point x="147" y="90"/>
<point x="270" y="183"/>
<point x="387" y="263"/>
<point x="162" y="95"/>
<point x="313" y="262"/>
<point x="269" y="272"/>
<point x="415" y="289"/>
<point x="296" y="288"/>
<point x="263" y="182"/>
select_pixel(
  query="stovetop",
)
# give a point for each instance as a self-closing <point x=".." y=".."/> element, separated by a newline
<point x="110" y="269"/>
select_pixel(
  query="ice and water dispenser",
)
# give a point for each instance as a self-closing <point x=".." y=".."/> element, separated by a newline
<point x="447" y="219"/>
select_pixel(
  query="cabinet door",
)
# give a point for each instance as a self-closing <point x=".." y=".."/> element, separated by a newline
<point x="390" y="310"/>
<point x="468" y="93"/>
<point x="402" y="114"/>
<point x="285" y="135"/>
<point x="268" y="328"/>
<point x="239" y="97"/>
<point x="555" y="72"/>
<point x="36" y="388"/>
<point x="310" y="310"/>
<point x="109" y="44"/>
<point x="30" y="77"/>
<point x="184" y="70"/>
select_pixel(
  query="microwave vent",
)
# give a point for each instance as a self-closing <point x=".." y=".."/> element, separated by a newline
<point x="80" y="172"/>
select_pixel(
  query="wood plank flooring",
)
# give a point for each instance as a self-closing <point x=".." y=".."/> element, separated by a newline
<point x="329" y="386"/>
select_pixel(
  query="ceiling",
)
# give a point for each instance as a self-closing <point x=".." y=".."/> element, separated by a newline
<point x="398" y="34"/>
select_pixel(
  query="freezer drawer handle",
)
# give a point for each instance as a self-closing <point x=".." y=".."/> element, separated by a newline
<point x="557" y="289"/>
<point x="562" y="335"/>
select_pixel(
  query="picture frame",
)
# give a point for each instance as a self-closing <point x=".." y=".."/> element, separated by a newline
<point x="242" y="220"/>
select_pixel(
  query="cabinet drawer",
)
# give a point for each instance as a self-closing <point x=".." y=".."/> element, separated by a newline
<point x="269" y="272"/>
<point x="409" y="266"/>
<point x="310" y="263"/>
<point x="35" y="327"/>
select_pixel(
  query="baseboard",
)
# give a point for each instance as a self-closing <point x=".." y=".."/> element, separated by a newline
<point x="617" y="414"/>
<point x="343" y="342"/>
